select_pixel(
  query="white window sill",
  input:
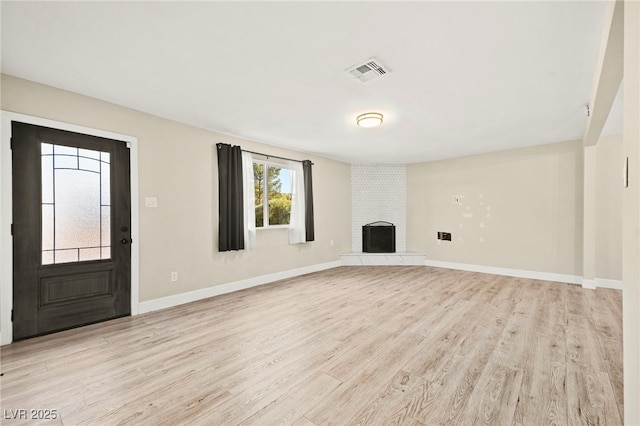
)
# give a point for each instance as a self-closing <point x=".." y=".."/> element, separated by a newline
<point x="272" y="227"/>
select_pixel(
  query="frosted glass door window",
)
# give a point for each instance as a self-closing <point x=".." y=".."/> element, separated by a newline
<point x="76" y="204"/>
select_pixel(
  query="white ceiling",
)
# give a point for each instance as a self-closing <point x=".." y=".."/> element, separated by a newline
<point x="466" y="77"/>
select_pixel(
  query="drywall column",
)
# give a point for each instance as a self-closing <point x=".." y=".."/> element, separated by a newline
<point x="589" y="219"/>
<point x="608" y="73"/>
<point x="631" y="215"/>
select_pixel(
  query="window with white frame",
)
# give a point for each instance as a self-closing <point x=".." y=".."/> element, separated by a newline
<point x="272" y="192"/>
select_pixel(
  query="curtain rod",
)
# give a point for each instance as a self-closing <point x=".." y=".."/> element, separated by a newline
<point x="275" y="156"/>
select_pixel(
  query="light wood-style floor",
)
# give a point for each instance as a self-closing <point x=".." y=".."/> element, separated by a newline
<point x="351" y="345"/>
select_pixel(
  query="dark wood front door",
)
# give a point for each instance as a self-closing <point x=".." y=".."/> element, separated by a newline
<point x="71" y="230"/>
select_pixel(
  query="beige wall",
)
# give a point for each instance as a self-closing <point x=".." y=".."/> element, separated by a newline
<point x="177" y="164"/>
<point x="608" y="208"/>
<point x="520" y="209"/>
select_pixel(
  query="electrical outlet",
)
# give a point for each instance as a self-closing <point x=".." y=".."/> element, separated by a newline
<point x="331" y="242"/>
<point x="151" y="202"/>
<point x="174" y="277"/>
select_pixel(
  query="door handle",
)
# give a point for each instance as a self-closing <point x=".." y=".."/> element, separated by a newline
<point x="126" y="241"/>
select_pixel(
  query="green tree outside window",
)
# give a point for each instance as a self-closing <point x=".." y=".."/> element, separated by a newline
<point x="279" y="203"/>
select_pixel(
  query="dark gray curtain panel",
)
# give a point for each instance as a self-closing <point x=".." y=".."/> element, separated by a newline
<point x="230" y="198"/>
<point x="308" y="200"/>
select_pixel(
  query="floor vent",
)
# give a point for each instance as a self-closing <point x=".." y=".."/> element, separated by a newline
<point x="368" y="70"/>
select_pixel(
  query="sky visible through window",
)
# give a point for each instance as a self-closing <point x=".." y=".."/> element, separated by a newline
<point x="285" y="179"/>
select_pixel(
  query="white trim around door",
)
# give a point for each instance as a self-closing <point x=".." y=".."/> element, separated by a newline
<point x="6" y="245"/>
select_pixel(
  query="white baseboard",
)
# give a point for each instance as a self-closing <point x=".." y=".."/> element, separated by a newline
<point x="192" y="296"/>
<point x="606" y="283"/>
<point x="520" y="273"/>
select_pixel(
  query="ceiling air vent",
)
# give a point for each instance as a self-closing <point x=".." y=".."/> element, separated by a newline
<point x="368" y="70"/>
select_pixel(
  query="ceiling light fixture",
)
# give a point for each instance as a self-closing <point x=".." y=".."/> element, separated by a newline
<point x="369" y="119"/>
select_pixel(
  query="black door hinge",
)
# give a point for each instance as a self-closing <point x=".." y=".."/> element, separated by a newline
<point x="12" y="229"/>
<point x="12" y="315"/>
